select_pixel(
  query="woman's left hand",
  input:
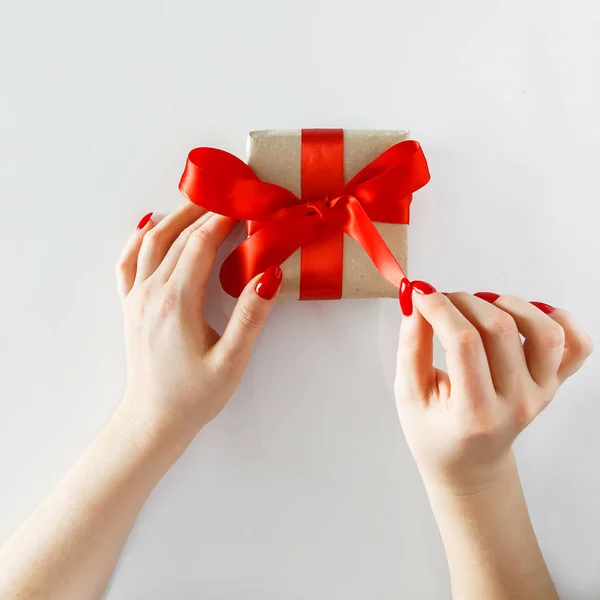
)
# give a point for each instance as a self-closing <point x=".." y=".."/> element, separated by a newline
<point x="181" y="373"/>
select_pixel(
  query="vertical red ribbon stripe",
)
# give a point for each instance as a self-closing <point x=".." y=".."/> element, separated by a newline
<point x="322" y="177"/>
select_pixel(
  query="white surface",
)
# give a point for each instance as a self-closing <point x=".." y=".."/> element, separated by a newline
<point x="303" y="488"/>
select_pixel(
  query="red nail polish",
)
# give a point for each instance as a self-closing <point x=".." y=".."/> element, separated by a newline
<point x="490" y="297"/>
<point x="423" y="287"/>
<point x="545" y="308"/>
<point x="269" y="283"/>
<point x="144" y="221"/>
<point x="405" y="296"/>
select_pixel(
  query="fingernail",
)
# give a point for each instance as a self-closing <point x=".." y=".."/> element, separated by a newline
<point x="490" y="297"/>
<point x="545" y="308"/>
<point x="423" y="287"/>
<point x="144" y="221"/>
<point x="269" y="283"/>
<point x="405" y="296"/>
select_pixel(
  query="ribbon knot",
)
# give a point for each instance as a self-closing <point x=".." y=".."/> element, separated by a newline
<point x="279" y="223"/>
<point x="321" y="207"/>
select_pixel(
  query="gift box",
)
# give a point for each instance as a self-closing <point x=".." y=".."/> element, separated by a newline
<point x="330" y="206"/>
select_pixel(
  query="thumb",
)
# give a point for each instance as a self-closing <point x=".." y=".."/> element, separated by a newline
<point x="415" y="374"/>
<point x="250" y="313"/>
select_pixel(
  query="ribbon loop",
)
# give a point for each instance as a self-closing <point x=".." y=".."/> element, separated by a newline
<point x="281" y="223"/>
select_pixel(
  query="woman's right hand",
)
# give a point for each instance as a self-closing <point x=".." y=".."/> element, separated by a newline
<point x="461" y="425"/>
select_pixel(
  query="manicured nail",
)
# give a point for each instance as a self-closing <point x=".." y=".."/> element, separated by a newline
<point x="144" y="221"/>
<point x="545" y="308"/>
<point x="405" y="296"/>
<point x="490" y="297"/>
<point x="423" y="287"/>
<point x="269" y="283"/>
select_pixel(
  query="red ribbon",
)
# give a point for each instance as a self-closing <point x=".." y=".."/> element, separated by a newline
<point x="322" y="176"/>
<point x="279" y="222"/>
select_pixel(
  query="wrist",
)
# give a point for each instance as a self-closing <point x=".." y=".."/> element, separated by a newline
<point x="489" y="541"/>
<point x="149" y="436"/>
<point x="472" y="481"/>
<point x="151" y="412"/>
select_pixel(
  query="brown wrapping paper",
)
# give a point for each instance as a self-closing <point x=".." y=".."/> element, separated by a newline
<point x="275" y="157"/>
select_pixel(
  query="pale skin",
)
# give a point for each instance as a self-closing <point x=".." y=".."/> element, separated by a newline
<point x="460" y="425"/>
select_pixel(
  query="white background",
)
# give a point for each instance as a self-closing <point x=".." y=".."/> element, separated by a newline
<point x="304" y="487"/>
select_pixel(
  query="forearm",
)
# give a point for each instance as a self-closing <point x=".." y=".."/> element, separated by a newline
<point x="490" y="544"/>
<point x="69" y="546"/>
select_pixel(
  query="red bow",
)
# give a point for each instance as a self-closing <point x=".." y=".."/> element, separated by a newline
<point x="382" y="191"/>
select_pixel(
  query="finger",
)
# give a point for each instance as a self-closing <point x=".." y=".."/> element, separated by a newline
<point x="544" y="338"/>
<point x="198" y="256"/>
<point x="127" y="266"/>
<point x="578" y="344"/>
<point x="156" y="245"/>
<point x="415" y="374"/>
<point x="167" y="266"/>
<point x="250" y="313"/>
<point x="466" y="360"/>
<point x="500" y="337"/>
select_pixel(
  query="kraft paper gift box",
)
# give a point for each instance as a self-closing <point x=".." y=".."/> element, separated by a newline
<point x="330" y="206"/>
<point x="275" y="156"/>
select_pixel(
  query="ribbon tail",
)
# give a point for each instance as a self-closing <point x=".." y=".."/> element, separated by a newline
<point x="271" y="245"/>
<point x="359" y="227"/>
